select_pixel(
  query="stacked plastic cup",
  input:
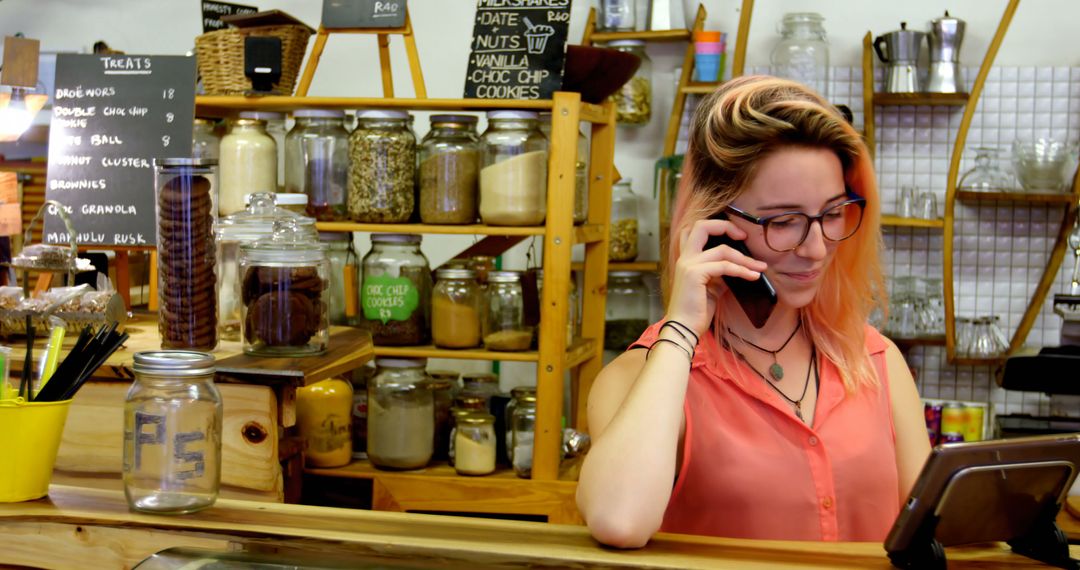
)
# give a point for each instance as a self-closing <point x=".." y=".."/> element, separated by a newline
<point x="708" y="49"/>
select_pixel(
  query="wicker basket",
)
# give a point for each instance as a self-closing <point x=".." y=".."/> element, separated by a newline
<point x="220" y="55"/>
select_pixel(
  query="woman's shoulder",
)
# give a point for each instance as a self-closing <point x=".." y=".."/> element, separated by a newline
<point x="876" y="343"/>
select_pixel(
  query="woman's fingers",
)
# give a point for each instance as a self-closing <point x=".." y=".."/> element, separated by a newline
<point x="702" y="229"/>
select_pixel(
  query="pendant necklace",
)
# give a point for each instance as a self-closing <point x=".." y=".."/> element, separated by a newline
<point x="797" y="403"/>
<point x="775" y="370"/>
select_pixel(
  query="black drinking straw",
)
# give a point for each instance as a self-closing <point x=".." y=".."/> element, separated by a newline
<point x="89" y="353"/>
<point x="28" y="363"/>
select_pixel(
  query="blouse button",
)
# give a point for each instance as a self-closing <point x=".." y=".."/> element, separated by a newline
<point x="812" y="440"/>
<point x="827" y="502"/>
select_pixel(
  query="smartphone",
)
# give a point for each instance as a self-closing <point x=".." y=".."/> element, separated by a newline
<point x="757" y="298"/>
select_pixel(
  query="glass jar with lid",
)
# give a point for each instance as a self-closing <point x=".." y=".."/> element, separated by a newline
<point x="986" y="175"/>
<point x="284" y="293"/>
<point x="802" y="54"/>
<point x="248" y="164"/>
<point x="474" y="444"/>
<point x="455" y="309"/>
<point x="442" y="397"/>
<point x="617" y="15"/>
<point x="627" y="309"/>
<point x="623" y="238"/>
<point x="504" y="320"/>
<point x="633" y="101"/>
<point x="581" y="170"/>
<point x="395" y="297"/>
<point x="513" y="173"/>
<point x="344" y="292"/>
<point x="483" y="384"/>
<point x="205" y="142"/>
<point x="317" y="162"/>
<point x="516" y="395"/>
<point x="449" y="170"/>
<point x="522" y="429"/>
<point x="382" y="167"/>
<point x="401" y="414"/>
<point x="172" y="433"/>
<point x="275" y="127"/>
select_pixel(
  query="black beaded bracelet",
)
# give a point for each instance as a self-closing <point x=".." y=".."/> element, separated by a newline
<point x="689" y="355"/>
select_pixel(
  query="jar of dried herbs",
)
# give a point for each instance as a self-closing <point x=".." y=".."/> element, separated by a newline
<point x="449" y="170"/>
<point x="395" y="296"/>
<point x="623" y="239"/>
<point x="504" y="322"/>
<point x="633" y="101"/>
<point x="382" y="167"/>
<point x="513" y="174"/>
<point x="627" y="309"/>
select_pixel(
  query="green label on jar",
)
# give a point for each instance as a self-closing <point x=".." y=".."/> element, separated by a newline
<point x="387" y="298"/>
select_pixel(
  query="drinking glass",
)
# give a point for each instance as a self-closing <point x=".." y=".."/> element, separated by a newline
<point x="905" y="206"/>
<point x="926" y="206"/>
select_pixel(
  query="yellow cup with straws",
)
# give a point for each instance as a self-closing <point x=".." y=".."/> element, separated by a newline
<point x="31" y="437"/>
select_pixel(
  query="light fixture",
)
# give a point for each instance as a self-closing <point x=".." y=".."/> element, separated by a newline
<point x="19" y="106"/>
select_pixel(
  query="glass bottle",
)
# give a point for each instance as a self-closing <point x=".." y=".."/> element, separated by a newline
<point x="382" y="168"/>
<point x="442" y="396"/>
<point x="626" y="310"/>
<point x="455" y="309"/>
<point x="617" y="15"/>
<point x="581" y="170"/>
<point x="324" y="416"/>
<point x="513" y="174"/>
<point x="623" y="238"/>
<point x="172" y="433"/>
<point x="523" y="426"/>
<point x="395" y="295"/>
<point x="633" y="101"/>
<point x="985" y="176"/>
<point x="317" y="162"/>
<point x="401" y="414"/>
<point x="504" y="319"/>
<point x="474" y="444"/>
<point x="449" y="170"/>
<point x="248" y="164"/>
<point x="344" y="291"/>
<point x="802" y="54"/>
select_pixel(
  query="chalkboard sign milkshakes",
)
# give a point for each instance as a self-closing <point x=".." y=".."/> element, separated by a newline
<point x="518" y="49"/>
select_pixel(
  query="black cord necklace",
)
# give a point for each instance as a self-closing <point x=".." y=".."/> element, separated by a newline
<point x="776" y="371"/>
<point x="797" y="403"/>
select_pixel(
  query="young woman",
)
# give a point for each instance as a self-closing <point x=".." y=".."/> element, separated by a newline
<point x="807" y="428"/>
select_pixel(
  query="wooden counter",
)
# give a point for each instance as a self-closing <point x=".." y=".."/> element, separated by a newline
<point x="84" y="528"/>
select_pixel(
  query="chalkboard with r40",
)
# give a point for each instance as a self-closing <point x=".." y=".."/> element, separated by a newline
<point x="518" y="49"/>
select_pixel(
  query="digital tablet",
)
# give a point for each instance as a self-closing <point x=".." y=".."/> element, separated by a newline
<point x="987" y="491"/>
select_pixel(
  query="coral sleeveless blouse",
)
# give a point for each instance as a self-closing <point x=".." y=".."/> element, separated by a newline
<point x="751" y="469"/>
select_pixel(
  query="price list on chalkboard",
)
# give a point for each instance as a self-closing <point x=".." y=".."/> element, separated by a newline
<point x="113" y="115"/>
<point x="518" y="49"/>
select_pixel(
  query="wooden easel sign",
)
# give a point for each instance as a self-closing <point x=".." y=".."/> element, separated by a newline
<point x="346" y="14"/>
<point x="518" y="49"/>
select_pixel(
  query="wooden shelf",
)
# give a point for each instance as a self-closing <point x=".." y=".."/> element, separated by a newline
<point x="700" y="88"/>
<point x="979" y="361"/>
<point x="897" y="221"/>
<point x="1016" y="196"/>
<point x="951" y="99"/>
<point x="468" y="229"/>
<point x="654" y="36"/>
<point x="624" y="266"/>
<point x="577" y="352"/>
<point x="906" y="343"/>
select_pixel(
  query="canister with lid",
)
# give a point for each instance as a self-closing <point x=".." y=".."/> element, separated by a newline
<point x="633" y="101"/>
<point x="401" y="415"/>
<point x="248" y="164"/>
<point x="449" y="170"/>
<point x="455" y="309"/>
<point x="395" y="296"/>
<point x="317" y="162"/>
<point x="382" y="167"/>
<point x="523" y="428"/>
<point x="474" y="444"/>
<point x="513" y="173"/>
<point x="206" y="143"/>
<point x="627" y="309"/>
<point x="517" y="395"/>
<point x="275" y="127"/>
<point x="172" y="433"/>
<point x="442" y="395"/>
<point x="623" y="240"/>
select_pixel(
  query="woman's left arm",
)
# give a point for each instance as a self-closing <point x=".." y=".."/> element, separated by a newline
<point x="912" y="444"/>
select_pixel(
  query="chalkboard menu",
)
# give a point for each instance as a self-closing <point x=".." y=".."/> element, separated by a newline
<point x="213" y="11"/>
<point x="338" y="14"/>
<point x="518" y="49"/>
<point x="114" y="114"/>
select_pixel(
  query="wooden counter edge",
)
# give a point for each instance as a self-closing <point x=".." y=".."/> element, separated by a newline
<point x="448" y="539"/>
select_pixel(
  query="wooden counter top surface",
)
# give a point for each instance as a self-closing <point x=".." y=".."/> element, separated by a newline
<point x="432" y="541"/>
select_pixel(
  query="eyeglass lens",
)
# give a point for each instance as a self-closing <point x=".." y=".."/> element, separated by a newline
<point x="788" y="231"/>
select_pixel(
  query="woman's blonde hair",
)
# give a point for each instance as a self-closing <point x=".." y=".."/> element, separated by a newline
<point x="732" y="131"/>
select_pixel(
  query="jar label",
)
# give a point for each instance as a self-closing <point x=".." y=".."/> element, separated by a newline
<point x="386" y="298"/>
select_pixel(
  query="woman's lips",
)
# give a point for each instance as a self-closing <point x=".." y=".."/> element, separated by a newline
<point x="803" y="276"/>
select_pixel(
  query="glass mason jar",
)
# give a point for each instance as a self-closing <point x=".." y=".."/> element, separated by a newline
<point x="449" y="170"/>
<point x="172" y="433"/>
<point x="284" y="293"/>
<point x="474" y="444"/>
<point x="324" y="416"/>
<point x="401" y="414"/>
<point x="522" y="428"/>
<point x="513" y="174"/>
<point x="581" y="170"/>
<point x="627" y="309"/>
<point x="617" y="15"/>
<point x="633" y="101"/>
<point x="483" y="384"/>
<point x="482" y="265"/>
<point x="802" y="54"/>
<point x="395" y="295"/>
<point x="344" y="292"/>
<point x="504" y="320"/>
<point x="187" y="280"/>
<point x="382" y="168"/>
<point x="248" y="164"/>
<point x="442" y="397"/>
<point x="516" y="395"/>
<point x="623" y="239"/>
<point x="455" y="309"/>
<point x="275" y="127"/>
<point x="317" y="162"/>
<point x="205" y="142"/>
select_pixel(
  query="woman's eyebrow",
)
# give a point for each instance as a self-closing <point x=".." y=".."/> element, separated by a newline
<point x="795" y="207"/>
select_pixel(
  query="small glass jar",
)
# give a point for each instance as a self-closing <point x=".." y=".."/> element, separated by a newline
<point x="442" y="397"/>
<point x="395" y="296"/>
<point x="344" y="292"/>
<point x="504" y="320"/>
<point x="172" y="433"/>
<point x="187" y="280"/>
<point x="324" y="417"/>
<point x="401" y="414"/>
<point x="516" y="395"/>
<point x="450" y="170"/>
<point x="513" y="174"/>
<point x="284" y="293"/>
<point x="474" y="444"/>
<point x="248" y="164"/>
<point x="455" y="309"/>
<point x="275" y="127"/>
<point x="317" y="162"/>
<point x="522" y="428"/>
<point x="626" y="310"/>
<point x="382" y="168"/>
<point x="633" y="101"/>
<point x="581" y="170"/>
<point x="623" y="239"/>
<point x="205" y="142"/>
<point x="483" y="384"/>
<point x="482" y="265"/>
<point x="802" y="54"/>
<point x="617" y="15"/>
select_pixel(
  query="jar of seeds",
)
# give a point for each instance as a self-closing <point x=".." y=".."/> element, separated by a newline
<point x="395" y="295"/>
<point x="633" y="101"/>
<point x="449" y="170"/>
<point x="382" y="168"/>
<point x="623" y="241"/>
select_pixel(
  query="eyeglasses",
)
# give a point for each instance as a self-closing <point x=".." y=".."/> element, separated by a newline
<point x="788" y="230"/>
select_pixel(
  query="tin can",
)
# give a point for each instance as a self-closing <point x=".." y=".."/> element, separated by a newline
<point x="953" y="418"/>
<point x="933" y="420"/>
<point x="951" y="438"/>
<point x="973" y="423"/>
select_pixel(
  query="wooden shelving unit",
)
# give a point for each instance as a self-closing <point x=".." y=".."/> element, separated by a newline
<point x="950" y="99"/>
<point x="699" y="89"/>
<point x="1016" y="196"/>
<point x="677" y="35"/>
<point x="897" y="221"/>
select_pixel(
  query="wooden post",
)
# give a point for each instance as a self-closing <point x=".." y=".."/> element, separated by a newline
<point x="868" y="92"/>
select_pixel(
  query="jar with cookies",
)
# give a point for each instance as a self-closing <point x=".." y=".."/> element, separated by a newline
<point x="186" y="253"/>
<point x="395" y="295"/>
<point x="284" y="283"/>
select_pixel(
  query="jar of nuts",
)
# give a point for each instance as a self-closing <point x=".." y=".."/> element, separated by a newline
<point x="623" y="241"/>
<point x="633" y="102"/>
<point x="382" y="168"/>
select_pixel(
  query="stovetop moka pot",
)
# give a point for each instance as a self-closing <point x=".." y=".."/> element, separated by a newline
<point x="946" y="35"/>
<point x="899" y="51"/>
